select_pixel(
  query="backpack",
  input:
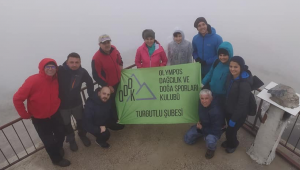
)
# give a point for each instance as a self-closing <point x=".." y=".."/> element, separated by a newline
<point x="257" y="83"/>
<point x="252" y="105"/>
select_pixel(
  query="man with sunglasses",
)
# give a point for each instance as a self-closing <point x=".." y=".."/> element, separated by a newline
<point x="106" y="68"/>
<point x="41" y="92"/>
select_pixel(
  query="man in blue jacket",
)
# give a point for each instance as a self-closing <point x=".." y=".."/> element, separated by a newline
<point x="205" y="45"/>
<point x="210" y="124"/>
<point x="97" y="116"/>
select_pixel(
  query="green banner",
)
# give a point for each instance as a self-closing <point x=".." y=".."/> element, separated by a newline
<point x="159" y="95"/>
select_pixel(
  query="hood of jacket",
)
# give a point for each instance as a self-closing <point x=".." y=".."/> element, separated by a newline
<point x="228" y="47"/>
<point x="182" y="34"/>
<point x="42" y="65"/>
<point x="245" y="76"/>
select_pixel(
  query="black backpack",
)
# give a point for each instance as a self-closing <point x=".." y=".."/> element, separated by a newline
<point x="252" y="105"/>
<point x="257" y="83"/>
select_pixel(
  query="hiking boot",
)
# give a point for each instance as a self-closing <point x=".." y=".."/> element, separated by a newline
<point x="62" y="152"/>
<point x="85" y="140"/>
<point x="209" y="154"/>
<point x="63" y="163"/>
<point x="224" y="144"/>
<point x="73" y="146"/>
<point x="104" y="145"/>
<point x="231" y="150"/>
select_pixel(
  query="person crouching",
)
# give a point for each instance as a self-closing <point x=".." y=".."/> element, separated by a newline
<point x="97" y="116"/>
<point x="210" y="124"/>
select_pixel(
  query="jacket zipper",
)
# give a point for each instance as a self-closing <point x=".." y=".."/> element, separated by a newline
<point x="115" y="65"/>
<point x="229" y="88"/>
<point x="221" y="76"/>
<point x="203" y="49"/>
<point x="50" y="95"/>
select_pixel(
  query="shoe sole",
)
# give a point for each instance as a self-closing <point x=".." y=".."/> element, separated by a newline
<point x="102" y="146"/>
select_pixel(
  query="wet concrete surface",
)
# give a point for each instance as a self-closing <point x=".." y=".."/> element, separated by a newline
<point x="154" y="147"/>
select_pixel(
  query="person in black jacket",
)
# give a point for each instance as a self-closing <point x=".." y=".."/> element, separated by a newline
<point x="70" y="78"/>
<point x="210" y="124"/>
<point x="97" y="116"/>
<point x="238" y="87"/>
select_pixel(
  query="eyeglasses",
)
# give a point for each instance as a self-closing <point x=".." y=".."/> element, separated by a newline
<point x="52" y="67"/>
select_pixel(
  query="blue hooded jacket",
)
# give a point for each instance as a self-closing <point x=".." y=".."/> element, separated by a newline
<point x="205" y="47"/>
<point x="212" y="118"/>
<point x="216" y="77"/>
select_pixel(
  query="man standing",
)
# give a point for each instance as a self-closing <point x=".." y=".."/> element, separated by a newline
<point x="97" y="112"/>
<point x="205" y="45"/>
<point x="70" y="78"/>
<point x="41" y="92"/>
<point x="210" y="125"/>
<point x="106" y="67"/>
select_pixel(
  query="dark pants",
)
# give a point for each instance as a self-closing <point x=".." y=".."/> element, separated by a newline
<point x="51" y="132"/>
<point x="231" y="132"/>
<point x="101" y="138"/>
<point x="66" y="114"/>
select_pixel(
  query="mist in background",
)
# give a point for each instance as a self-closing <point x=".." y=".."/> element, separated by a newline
<point x="265" y="33"/>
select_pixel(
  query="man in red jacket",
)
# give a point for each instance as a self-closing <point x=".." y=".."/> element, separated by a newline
<point x="106" y="68"/>
<point x="41" y="92"/>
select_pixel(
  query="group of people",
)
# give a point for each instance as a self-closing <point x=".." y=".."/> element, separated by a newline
<point x="226" y="81"/>
<point x="53" y="95"/>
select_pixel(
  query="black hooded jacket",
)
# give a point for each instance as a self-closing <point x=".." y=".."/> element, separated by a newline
<point x="238" y="95"/>
<point x="96" y="113"/>
<point x="70" y="83"/>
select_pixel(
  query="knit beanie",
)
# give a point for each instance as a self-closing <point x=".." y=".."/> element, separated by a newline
<point x="148" y="33"/>
<point x="223" y="51"/>
<point x="198" y="20"/>
<point x="240" y="61"/>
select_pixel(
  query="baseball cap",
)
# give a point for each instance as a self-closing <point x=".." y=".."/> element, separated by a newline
<point x="104" y="38"/>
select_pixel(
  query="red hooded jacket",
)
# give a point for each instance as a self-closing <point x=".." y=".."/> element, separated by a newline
<point x="41" y="93"/>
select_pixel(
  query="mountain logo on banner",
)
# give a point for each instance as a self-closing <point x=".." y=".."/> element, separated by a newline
<point x="143" y="93"/>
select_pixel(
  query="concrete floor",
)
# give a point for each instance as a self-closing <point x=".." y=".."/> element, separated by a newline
<point x="153" y="147"/>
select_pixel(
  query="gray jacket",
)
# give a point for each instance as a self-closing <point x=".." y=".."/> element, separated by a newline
<point x="180" y="53"/>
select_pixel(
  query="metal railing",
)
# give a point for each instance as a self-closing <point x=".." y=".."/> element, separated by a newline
<point x="27" y="147"/>
<point x="290" y="137"/>
<point x="18" y="143"/>
<point x="19" y="146"/>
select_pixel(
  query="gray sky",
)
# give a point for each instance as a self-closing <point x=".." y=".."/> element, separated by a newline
<point x="265" y="33"/>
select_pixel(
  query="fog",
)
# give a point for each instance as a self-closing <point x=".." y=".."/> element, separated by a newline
<point x="265" y="33"/>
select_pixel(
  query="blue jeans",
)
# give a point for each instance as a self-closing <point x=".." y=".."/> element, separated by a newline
<point x="192" y="135"/>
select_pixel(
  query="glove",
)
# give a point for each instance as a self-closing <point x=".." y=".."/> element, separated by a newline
<point x="203" y="62"/>
<point x="199" y="60"/>
<point x="231" y="123"/>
